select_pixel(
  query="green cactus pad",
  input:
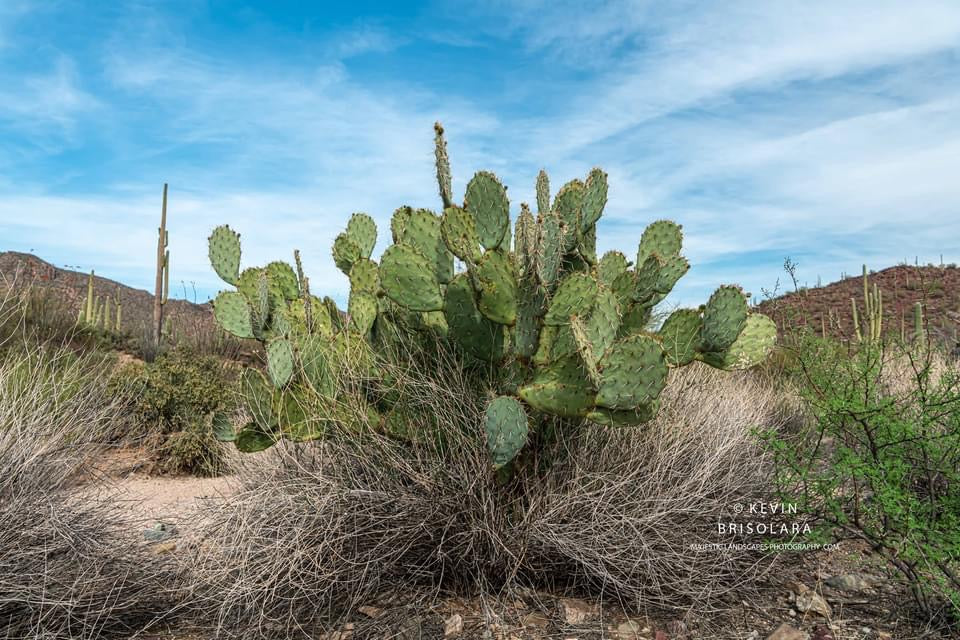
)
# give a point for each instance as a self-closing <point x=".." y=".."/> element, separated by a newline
<point x="575" y="295"/>
<point x="751" y="347"/>
<point x="313" y="363"/>
<point x="399" y="222"/>
<point x="280" y="361"/>
<point x="477" y="335"/>
<point x="222" y="427"/>
<point x="624" y="418"/>
<point x="525" y="242"/>
<point x="365" y="276"/>
<point x="635" y="319"/>
<point x="543" y="193"/>
<point x="233" y="314"/>
<point x="252" y="438"/>
<point x="257" y="395"/>
<point x="561" y="388"/>
<point x="646" y="278"/>
<point x="663" y="238"/>
<point x="284" y="280"/>
<point x="345" y="252"/>
<point x="568" y="203"/>
<point x="506" y="427"/>
<point x="612" y="265"/>
<point x="594" y="199"/>
<point x="496" y="288"/>
<point x="634" y="373"/>
<point x="362" y="231"/>
<point x="588" y="245"/>
<point x="681" y="336"/>
<point x="671" y="271"/>
<point x="248" y="284"/>
<point x="261" y="304"/>
<point x="460" y="234"/>
<point x="604" y="323"/>
<point x="486" y="200"/>
<point x="556" y="343"/>
<point x="409" y="278"/>
<point x="585" y="348"/>
<point x="362" y="308"/>
<point x="223" y="248"/>
<point x="724" y="317"/>
<point x="550" y="249"/>
<point x="530" y="308"/>
<point x="422" y="232"/>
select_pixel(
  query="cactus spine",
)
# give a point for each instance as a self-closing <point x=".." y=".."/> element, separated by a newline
<point x="561" y="331"/>
<point x="162" y="288"/>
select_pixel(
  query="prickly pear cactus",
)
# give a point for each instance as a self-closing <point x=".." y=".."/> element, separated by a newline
<point x="562" y="331"/>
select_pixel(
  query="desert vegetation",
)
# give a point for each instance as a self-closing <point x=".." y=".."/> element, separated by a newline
<point x="502" y="428"/>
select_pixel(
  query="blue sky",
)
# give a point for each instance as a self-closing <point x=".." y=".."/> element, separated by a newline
<point x="824" y="131"/>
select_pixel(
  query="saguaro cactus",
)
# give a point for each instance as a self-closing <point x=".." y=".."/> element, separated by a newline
<point x="162" y="288"/>
<point x="872" y="312"/>
<point x="562" y="332"/>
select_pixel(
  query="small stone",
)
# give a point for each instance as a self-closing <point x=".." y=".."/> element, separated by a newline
<point x="661" y="635"/>
<point x="865" y="630"/>
<point x="793" y="613"/>
<point x="753" y="635"/>
<point x="809" y="601"/>
<point x="370" y="612"/>
<point x="164" y="547"/>
<point x="576" y="611"/>
<point x="787" y="632"/>
<point x="453" y="626"/>
<point x="849" y="582"/>
<point x="633" y="630"/>
<point x="159" y="532"/>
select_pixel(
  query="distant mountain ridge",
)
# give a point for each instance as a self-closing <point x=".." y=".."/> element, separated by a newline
<point x="24" y="269"/>
<point x="937" y="288"/>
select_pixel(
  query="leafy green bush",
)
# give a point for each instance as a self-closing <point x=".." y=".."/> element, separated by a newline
<point x="172" y="401"/>
<point x="879" y="459"/>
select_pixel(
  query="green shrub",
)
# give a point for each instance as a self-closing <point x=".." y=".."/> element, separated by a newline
<point x="171" y="403"/>
<point x="879" y="459"/>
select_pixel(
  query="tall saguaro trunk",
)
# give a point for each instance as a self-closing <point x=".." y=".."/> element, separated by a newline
<point x="163" y="274"/>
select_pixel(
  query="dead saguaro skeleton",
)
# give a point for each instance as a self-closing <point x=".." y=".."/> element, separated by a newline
<point x="163" y="273"/>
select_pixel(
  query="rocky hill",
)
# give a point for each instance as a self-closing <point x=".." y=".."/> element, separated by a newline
<point x="937" y="288"/>
<point x="20" y="270"/>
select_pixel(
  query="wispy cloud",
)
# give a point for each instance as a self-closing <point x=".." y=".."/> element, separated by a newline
<point x="826" y="131"/>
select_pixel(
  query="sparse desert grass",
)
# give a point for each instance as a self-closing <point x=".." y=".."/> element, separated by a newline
<point x="319" y="529"/>
<point x="68" y="568"/>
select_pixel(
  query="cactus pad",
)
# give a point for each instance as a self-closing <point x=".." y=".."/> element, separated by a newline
<point x="223" y="248"/>
<point x="486" y="200"/>
<point x="604" y="322"/>
<point x="681" y="336"/>
<point x="365" y="276"/>
<point x="345" y="252"/>
<point x="409" y="278"/>
<point x="634" y="373"/>
<point x="611" y="266"/>
<point x="252" y="438"/>
<point x="399" y="221"/>
<point x="525" y="242"/>
<point x="662" y="237"/>
<point x="422" y="232"/>
<point x="543" y="193"/>
<point x="496" y="288"/>
<point x="460" y="234"/>
<point x="594" y="199"/>
<point x="568" y="203"/>
<point x="724" y="317"/>
<point x="585" y="348"/>
<point x="477" y="335"/>
<point x="576" y="294"/>
<point x="561" y="388"/>
<point x="671" y="271"/>
<point x="362" y="308"/>
<point x="506" y="427"/>
<point x="283" y="280"/>
<point x="233" y="314"/>
<point x="280" y="361"/>
<point x="624" y="418"/>
<point x="751" y="347"/>
<point x="550" y="249"/>
<point x="362" y="231"/>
